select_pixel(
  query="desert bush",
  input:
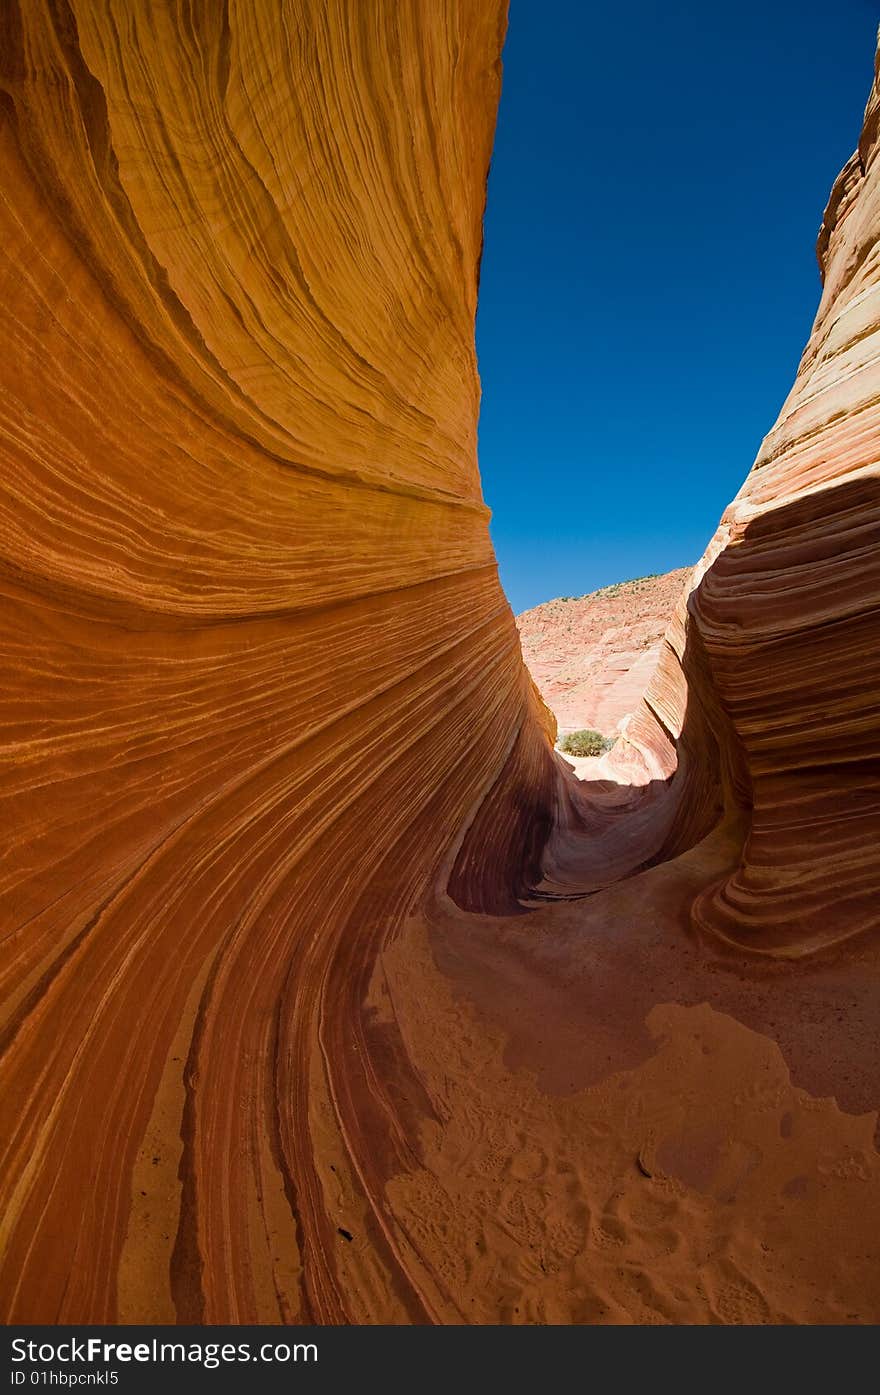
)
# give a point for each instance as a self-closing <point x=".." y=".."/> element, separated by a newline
<point x="585" y="743"/>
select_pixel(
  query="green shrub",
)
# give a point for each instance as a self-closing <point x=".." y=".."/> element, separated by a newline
<point x="585" y="743"/>
<point x="637" y="583"/>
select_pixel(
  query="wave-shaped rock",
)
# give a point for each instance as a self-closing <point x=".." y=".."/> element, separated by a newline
<point x="320" y="1001"/>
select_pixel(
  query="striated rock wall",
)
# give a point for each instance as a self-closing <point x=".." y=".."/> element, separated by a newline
<point x="261" y="663"/>
<point x="267" y="728"/>
<point x="780" y="636"/>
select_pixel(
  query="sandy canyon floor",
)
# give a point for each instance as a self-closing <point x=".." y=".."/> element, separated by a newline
<point x="619" y="1122"/>
<point x="328" y="993"/>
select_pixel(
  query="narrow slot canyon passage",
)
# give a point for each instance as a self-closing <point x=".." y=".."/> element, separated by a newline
<point x="331" y="994"/>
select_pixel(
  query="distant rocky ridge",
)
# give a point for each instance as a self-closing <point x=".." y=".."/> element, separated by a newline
<point x="592" y="656"/>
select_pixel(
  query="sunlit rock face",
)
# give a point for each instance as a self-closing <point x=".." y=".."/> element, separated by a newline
<point x="779" y="639"/>
<point x="785" y="623"/>
<point x="591" y="656"/>
<point x="262" y="664"/>
<point x="790" y="612"/>
<point x="280" y="797"/>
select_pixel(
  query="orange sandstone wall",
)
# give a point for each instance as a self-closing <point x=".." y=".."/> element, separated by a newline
<point x="778" y="642"/>
<point x="261" y="673"/>
<point x="260" y="664"/>
<point x="790" y="612"/>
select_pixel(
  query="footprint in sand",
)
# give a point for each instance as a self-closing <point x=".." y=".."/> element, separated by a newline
<point x="611" y="1231"/>
<point x="567" y="1237"/>
<point x="528" y="1165"/>
<point x="734" y="1298"/>
<point x="654" y="1304"/>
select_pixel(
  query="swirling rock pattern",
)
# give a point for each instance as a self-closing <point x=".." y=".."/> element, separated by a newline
<point x="294" y="883"/>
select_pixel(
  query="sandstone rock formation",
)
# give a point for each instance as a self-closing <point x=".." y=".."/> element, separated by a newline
<point x="592" y="656"/>
<point x="328" y="994"/>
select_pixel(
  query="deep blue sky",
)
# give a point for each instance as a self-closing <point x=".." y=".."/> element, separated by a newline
<point x="649" y="275"/>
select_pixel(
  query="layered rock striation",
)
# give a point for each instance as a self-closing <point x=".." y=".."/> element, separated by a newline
<point x="293" y="877"/>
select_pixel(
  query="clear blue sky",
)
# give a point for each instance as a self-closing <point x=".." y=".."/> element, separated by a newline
<point x="649" y="275"/>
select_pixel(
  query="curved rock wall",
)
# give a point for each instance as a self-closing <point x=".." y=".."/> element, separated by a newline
<point x="266" y="699"/>
<point x="261" y="662"/>
<point x="790" y="612"/>
<point x="778" y="640"/>
<point x="788" y="615"/>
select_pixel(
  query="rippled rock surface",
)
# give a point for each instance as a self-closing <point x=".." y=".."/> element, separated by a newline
<point x="328" y="993"/>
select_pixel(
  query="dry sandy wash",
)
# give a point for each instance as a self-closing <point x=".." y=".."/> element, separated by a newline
<point x="329" y="994"/>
